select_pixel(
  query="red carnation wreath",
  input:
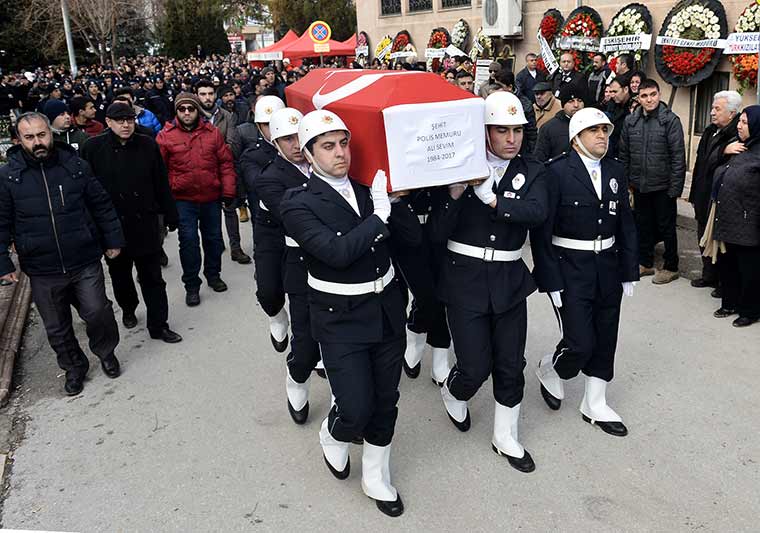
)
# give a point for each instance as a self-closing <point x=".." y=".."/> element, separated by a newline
<point x="439" y="38"/>
<point x="582" y="22"/>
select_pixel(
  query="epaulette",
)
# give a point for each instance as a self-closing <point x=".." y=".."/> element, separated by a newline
<point x="563" y="155"/>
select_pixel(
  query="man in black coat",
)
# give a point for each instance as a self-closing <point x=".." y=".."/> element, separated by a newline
<point x="61" y="220"/>
<point x="485" y="283"/>
<point x="527" y="78"/>
<point x="552" y="137"/>
<point x="132" y="171"/>
<point x="654" y="156"/>
<point x="356" y="304"/>
<point x="593" y="262"/>
<point x="566" y="73"/>
<point x="710" y="155"/>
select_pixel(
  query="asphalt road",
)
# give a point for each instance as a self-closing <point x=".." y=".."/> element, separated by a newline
<point x="196" y="436"/>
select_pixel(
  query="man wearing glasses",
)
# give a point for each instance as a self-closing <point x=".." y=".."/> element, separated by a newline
<point x="202" y="177"/>
<point x="131" y="170"/>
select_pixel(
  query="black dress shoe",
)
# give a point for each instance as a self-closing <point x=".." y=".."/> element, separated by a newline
<point x="110" y="366"/>
<point x="358" y="440"/>
<point x="701" y="283"/>
<point x="128" y="319"/>
<point x="218" y="285"/>
<point x="723" y="312"/>
<point x="523" y="464"/>
<point x="394" y="509"/>
<point x="192" y="298"/>
<point x="553" y="403"/>
<point x="240" y="257"/>
<point x="617" y="429"/>
<point x="299" y="417"/>
<point x="412" y="372"/>
<point x="279" y="346"/>
<point x="74" y="385"/>
<point x="321" y="372"/>
<point x="340" y="474"/>
<point x="166" y="335"/>
<point x="462" y="426"/>
<point x="717" y="293"/>
<point x="743" y="322"/>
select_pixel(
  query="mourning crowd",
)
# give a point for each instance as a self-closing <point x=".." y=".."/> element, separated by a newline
<point x="358" y="282"/>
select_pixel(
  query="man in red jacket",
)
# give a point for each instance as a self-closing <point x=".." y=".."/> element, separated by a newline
<point x="201" y="173"/>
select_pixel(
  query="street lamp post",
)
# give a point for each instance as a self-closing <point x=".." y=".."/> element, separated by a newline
<point x="69" y="39"/>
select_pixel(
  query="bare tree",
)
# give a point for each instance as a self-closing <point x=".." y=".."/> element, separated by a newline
<point x="97" y="21"/>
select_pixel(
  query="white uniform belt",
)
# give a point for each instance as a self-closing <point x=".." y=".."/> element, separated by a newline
<point x="352" y="289"/>
<point x="262" y="206"/>
<point x="290" y="242"/>
<point x="486" y="254"/>
<point x="597" y="245"/>
<point x="422" y="218"/>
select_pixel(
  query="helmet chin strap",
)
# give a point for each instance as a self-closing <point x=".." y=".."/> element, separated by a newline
<point x="317" y="169"/>
<point x="585" y="150"/>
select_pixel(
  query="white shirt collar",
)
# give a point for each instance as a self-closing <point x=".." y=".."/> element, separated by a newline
<point x="496" y="162"/>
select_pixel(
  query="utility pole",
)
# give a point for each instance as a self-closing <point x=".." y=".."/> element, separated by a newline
<point x="69" y="39"/>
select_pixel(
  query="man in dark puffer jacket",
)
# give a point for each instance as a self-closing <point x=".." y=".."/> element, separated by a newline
<point x="61" y="220"/>
<point x="652" y="151"/>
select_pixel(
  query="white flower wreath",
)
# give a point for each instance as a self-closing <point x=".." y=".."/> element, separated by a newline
<point x="629" y="22"/>
<point x="749" y="19"/>
<point x="459" y="33"/>
<point x="696" y="16"/>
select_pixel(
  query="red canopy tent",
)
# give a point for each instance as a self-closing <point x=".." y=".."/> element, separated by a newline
<point x="304" y="47"/>
<point x="273" y="52"/>
<point x="350" y="41"/>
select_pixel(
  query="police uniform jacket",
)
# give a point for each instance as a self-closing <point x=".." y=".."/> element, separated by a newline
<point x="253" y="160"/>
<point x="276" y="178"/>
<point x="576" y="212"/>
<point x="341" y="246"/>
<point x="483" y="285"/>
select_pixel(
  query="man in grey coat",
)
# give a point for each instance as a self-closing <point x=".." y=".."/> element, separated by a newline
<point x="652" y="151"/>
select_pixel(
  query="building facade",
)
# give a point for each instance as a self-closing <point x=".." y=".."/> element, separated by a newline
<point x="419" y="17"/>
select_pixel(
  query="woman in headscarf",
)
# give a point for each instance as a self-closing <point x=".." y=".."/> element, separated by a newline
<point x="736" y="224"/>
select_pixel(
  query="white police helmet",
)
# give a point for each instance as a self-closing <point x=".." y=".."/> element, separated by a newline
<point x="265" y="107"/>
<point x="284" y="122"/>
<point x="318" y="122"/>
<point x="504" y="109"/>
<point x="586" y="118"/>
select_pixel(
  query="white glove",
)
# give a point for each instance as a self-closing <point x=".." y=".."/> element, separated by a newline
<point x="379" y="194"/>
<point x="556" y="298"/>
<point x="628" y="287"/>
<point x="484" y="191"/>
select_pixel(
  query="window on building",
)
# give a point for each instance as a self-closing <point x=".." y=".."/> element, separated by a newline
<point x="420" y="5"/>
<point x="390" y="7"/>
<point x="705" y="92"/>
<point x="446" y="4"/>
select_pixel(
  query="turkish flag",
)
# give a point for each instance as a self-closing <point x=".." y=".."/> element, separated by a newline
<point x="418" y="128"/>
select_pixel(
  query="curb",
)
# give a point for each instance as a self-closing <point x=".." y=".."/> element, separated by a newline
<point x="11" y="334"/>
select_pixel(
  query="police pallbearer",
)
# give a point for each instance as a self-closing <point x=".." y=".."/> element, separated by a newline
<point x="356" y="304"/>
<point x="484" y="281"/>
<point x="426" y="323"/>
<point x="290" y="169"/>
<point x="594" y="261"/>
<point x="268" y="237"/>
